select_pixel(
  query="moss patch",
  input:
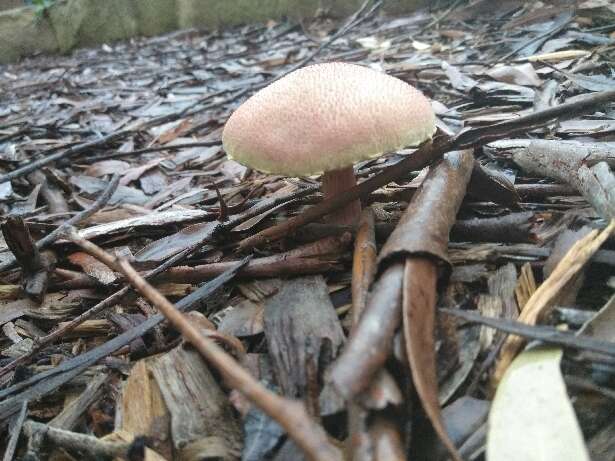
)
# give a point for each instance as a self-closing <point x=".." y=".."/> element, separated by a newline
<point x="91" y="22"/>
<point x="22" y="33"/>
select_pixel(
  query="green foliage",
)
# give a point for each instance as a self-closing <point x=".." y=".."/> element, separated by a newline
<point x="41" y="6"/>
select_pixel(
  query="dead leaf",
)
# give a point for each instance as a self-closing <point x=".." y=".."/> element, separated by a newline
<point x="522" y="74"/>
<point x="531" y="417"/>
<point x="166" y="247"/>
<point x="93" y="267"/>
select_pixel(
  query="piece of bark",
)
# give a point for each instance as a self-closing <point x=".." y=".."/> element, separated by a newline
<point x="526" y="285"/>
<point x="302" y="330"/>
<point x="463" y="419"/>
<point x="35" y="265"/>
<point x="500" y="302"/>
<point x="511" y="228"/>
<point x="562" y="244"/>
<point x="137" y="449"/>
<point x="419" y="305"/>
<point x="143" y="411"/>
<point x="175" y="401"/>
<point x="502" y="285"/>
<point x="70" y="415"/>
<point x="52" y="195"/>
<point x="89" y="328"/>
<point x="262" y="434"/>
<point x="497" y="188"/>
<point x="489" y="306"/>
<point x="585" y="166"/>
<point x="202" y="421"/>
<point x="93" y="268"/>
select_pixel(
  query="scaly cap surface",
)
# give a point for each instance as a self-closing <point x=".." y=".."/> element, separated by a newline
<point x="325" y="117"/>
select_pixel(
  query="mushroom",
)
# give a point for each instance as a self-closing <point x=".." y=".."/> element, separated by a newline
<point x="322" y="119"/>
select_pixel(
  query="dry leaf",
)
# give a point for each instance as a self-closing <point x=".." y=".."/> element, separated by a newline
<point x="531" y="417"/>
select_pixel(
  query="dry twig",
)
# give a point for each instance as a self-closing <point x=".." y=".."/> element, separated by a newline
<point x="76" y="442"/>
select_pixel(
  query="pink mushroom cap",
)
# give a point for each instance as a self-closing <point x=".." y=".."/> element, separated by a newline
<point x="326" y="117"/>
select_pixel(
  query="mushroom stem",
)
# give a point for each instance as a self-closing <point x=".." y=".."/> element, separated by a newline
<point x="335" y="182"/>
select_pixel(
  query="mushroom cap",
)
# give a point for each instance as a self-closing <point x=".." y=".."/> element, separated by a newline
<point x="325" y="117"/>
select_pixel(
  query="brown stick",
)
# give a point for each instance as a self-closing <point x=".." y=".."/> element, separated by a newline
<point x="290" y="414"/>
<point x="314" y="258"/>
<point x="378" y="323"/>
<point x="364" y="263"/>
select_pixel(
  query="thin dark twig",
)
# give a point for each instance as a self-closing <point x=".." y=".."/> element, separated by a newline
<point x="541" y="333"/>
<point x="16" y="430"/>
<point x="50" y="238"/>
